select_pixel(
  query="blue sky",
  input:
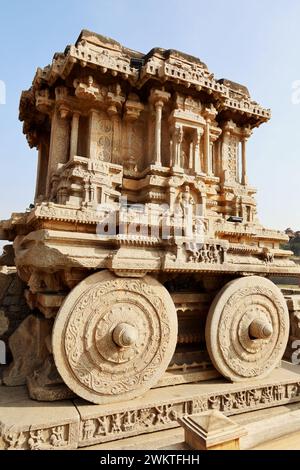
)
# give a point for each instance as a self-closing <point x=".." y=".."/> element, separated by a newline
<point x="255" y="43"/>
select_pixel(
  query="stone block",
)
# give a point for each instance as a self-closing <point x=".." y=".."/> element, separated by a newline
<point x="211" y="431"/>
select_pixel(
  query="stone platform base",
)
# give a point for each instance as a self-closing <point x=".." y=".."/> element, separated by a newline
<point x="270" y="429"/>
<point x="27" y="424"/>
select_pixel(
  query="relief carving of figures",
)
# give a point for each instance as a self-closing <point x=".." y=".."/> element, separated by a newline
<point x="241" y="400"/>
<point x="279" y="392"/>
<point x="103" y="428"/>
<point x="57" y="437"/>
<point x="199" y="405"/>
<point x="185" y="203"/>
<point x="293" y="390"/>
<point x="89" y="90"/>
<point x="214" y="402"/>
<point x="253" y="397"/>
<point x="129" y="420"/>
<point x="204" y="253"/>
<point x="228" y="402"/>
<point x="267" y="395"/>
<point x="117" y="423"/>
<point x="88" y="429"/>
<point x="267" y="256"/>
<point x="14" y="440"/>
<point x="146" y="417"/>
<point x="36" y="440"/>
<point x="165" y="414"/>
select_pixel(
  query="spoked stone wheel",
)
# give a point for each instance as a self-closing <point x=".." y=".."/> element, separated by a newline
<point x="247" y="328"/>
<point x="114" y="337"/>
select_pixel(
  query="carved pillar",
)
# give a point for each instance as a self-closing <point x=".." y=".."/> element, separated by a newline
<point x="116" y="138"/>
<point x="86" y="192"/>
<point x="244" y="163"/>
<point x="59" y="143"/>
<point x="197" y="157"/>
<point x="209" y="114"/>
<point x="204" y="205"/>
<point x="213" y="152"/>
<point x="93" y="193"/>
<point x="43" y="157"/>
<point x="211" y="158"/>
<point x="172" y="197"/>
<point x="218" y="152"/>
<point x="228" y="153"/>
<point x="129" y="126"/>
<point x="157" y="149"/>
<point x="74" y="134"/>
<point x="207" y="148"/>
<point x="133" y="108"/>
<point x="116" y="100"/>
<point x="171" y="149"/>
<point x="158" y="98"/>
<point x="191" y="155"/>
<point x="92" y="136"/>
<point x="238" y="206"/>
<point x="38" y="188"/>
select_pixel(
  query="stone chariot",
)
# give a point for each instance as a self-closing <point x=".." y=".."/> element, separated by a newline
<point x="142" y="251"/>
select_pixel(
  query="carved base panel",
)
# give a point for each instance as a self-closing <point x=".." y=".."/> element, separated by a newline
<point x="160" y="409"/>
<point x="26" y="424"/>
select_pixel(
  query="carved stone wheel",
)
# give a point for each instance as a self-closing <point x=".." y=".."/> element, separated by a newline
<point x="247" y="328"/>
<point x="114" y="337"/>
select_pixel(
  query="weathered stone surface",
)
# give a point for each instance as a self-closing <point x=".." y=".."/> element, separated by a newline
<point x="8" y="256"/>
<point x="28" y="348"/>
